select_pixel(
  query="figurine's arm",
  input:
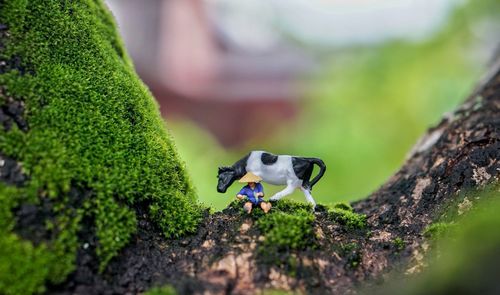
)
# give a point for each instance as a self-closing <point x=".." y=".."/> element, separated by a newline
<point x="260" y="191"/>
<point x="241" y="195"/>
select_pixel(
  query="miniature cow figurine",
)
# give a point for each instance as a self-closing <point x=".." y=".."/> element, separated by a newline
<point x="294" y="172"/>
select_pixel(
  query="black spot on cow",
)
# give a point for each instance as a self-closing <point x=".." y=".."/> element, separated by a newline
<point x="268" y="159"/>
<point x="302" y="168"/>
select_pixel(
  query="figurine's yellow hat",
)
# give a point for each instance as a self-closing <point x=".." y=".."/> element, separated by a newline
<point x="250" y="177"/>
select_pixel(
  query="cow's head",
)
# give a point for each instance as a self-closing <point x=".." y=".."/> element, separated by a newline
<point x="226" y="176"/>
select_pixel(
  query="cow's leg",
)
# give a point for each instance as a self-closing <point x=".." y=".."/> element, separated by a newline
<point x="307" y="176"/>
<point x="288" y="190"/>
<point x="309" y="198"/>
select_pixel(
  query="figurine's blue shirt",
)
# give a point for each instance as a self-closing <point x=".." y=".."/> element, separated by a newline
<point x="250" y="193"/>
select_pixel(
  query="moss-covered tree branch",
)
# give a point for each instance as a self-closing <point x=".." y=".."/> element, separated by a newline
<point x="81" y="144"/>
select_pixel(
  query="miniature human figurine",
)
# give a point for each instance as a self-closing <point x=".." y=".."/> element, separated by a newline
<point x="254" y="192"/>
<point x="294" y="172"/>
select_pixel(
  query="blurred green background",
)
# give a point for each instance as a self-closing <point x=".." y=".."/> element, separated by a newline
<point x="365" y="110"/>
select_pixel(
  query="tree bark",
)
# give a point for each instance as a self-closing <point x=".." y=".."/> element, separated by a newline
<point x="458" y="155"/>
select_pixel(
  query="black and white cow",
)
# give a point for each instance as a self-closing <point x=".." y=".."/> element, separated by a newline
<point x="294" y="172"/>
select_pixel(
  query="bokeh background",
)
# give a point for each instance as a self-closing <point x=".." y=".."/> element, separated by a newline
<point x="354" y="82"/>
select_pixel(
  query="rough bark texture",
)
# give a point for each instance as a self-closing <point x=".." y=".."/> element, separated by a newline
<point x="461" y="153"/>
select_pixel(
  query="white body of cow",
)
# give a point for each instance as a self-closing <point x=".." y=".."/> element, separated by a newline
<point x="279" y="173"/>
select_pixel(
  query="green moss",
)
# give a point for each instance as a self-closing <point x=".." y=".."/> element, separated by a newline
<point x="283" y="206"/>
<point x="347" y="218"/>
<point x="454" y="210"/>
<point x="236" y="204"/>
<point x="284" y="231"/>
<point x="164" y="290"/>
<point x="287" y="228"/>
<point x="292" y="266"/>
<point x="114" y="223"/>
<point x="289" y="206"/>
<point x="22" y="266"/>
<point x="92" y="125"/>
<point x="348" y="247"/>
<point x="350" y="251"/>
<point x="343" y="206"/>
<point x="438" y="230"/>
<point x="398" y="243"/>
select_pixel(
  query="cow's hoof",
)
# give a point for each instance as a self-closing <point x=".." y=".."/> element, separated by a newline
<point x="320" y="208"/>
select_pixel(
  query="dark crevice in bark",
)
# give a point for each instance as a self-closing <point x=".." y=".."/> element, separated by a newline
<point x="11" y="172"/>
<point x="14" y="62"/>
<point x="12" y="112"/>
<point x="32" y="219"/>
<point x="85" y="279"/>
<point x="11" y="108"/>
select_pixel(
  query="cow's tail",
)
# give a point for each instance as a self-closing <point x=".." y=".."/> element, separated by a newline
<point x="322" y="169"/>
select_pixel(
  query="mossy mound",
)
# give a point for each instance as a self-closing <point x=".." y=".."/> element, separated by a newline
<point x="343" y="214"/>
<point x="285" y="231"/>
<point x="290" y="225"/>
<point x="86" y="136"/>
